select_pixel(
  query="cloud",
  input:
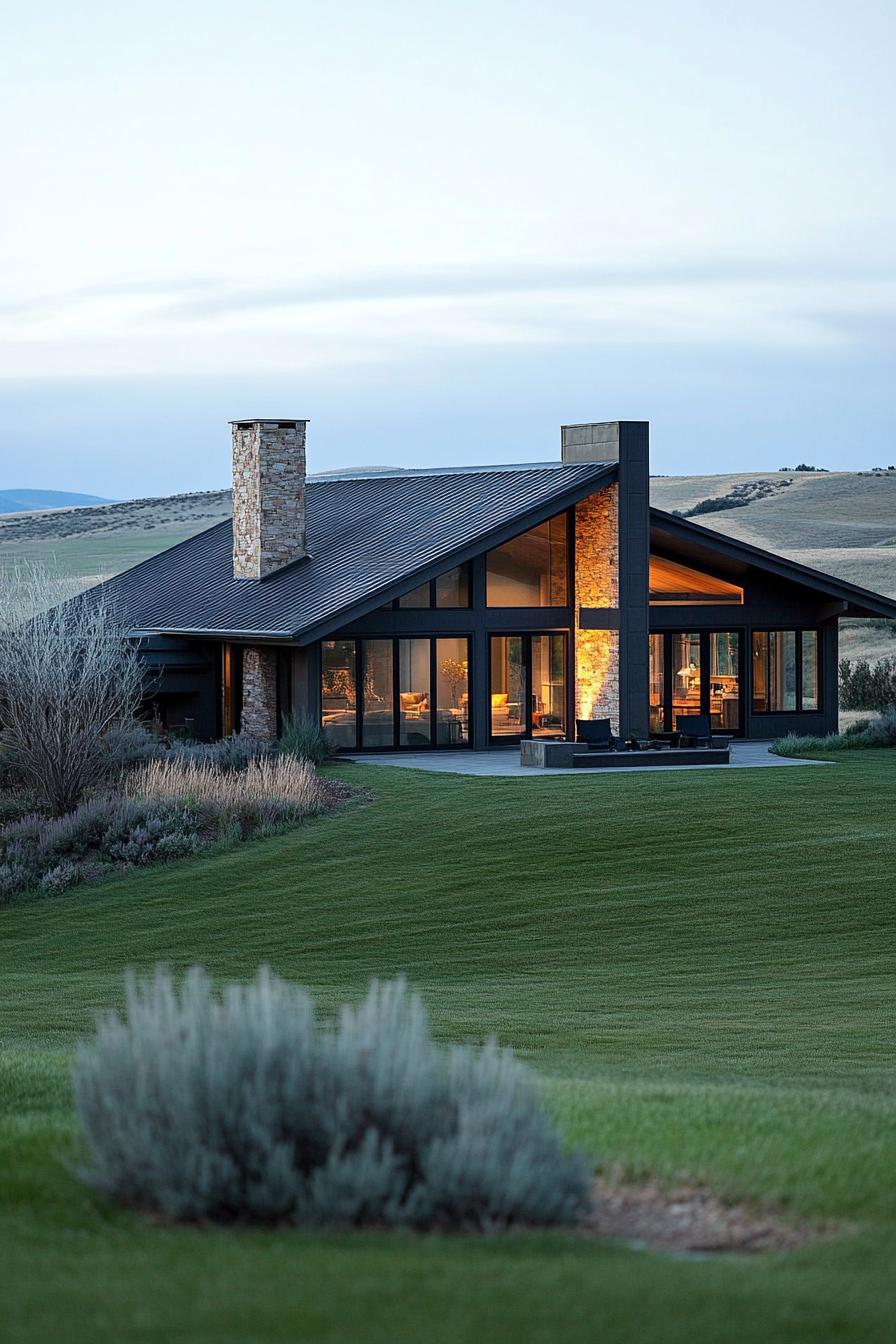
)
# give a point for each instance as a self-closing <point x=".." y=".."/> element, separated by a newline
<point x="208" y="326"/>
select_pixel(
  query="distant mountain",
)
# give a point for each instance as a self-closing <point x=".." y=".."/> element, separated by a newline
<point x="20" y="501"/>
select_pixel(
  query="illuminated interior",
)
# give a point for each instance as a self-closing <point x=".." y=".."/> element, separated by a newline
<point x="383" y="688"/>
<point x="672" y="584"/>
<point x="677" y="684"/>
<point x="530" y="570"/>
<point x="527" y="685"/>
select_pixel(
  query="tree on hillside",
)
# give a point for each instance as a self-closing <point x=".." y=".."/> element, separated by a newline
<point x="68" y="677"/>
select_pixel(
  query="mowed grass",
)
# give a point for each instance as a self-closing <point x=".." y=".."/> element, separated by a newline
<point x="700" y="965"/>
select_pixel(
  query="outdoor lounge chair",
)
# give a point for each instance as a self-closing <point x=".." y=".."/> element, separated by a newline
<point x="595" y="734"/>
<point x="694" y="730"/>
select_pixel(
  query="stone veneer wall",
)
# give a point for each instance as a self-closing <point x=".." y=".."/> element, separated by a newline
<point x="268" y="496"/>
<point x="597" y="585"/>
<point x="259" y="714"/>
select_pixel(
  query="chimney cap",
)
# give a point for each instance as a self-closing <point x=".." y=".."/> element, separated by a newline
<point x="282" y="420"/>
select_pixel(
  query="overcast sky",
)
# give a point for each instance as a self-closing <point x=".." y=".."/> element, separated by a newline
<point x="441" y="229"/>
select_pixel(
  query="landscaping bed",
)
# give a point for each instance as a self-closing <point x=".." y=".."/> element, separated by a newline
<point x="172" y="804"/>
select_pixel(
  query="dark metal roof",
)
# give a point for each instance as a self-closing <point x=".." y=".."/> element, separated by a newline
<point x="691" y="536"/>
<point x="366" y="536"/>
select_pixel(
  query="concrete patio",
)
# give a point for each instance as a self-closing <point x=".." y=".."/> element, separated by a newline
<point x="506" y="762"/>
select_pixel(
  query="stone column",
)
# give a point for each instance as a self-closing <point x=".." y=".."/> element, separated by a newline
<point x="597" y="586"/>
<point x="259" y="714"/>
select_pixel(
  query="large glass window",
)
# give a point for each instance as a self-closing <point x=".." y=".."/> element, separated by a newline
<point x="507" y="685"/>
<point x="724" y="680"/>
<point x="531" y="570"/>
<point x="394" y="679"/>
<point x="452" y="692"/>
<point x="810" y="669"/>
<point x="414" y="716"/>
<point x="339" y="690"/>
<point x="548" y="686"/>
<point x="527" y="685"/>
<point x="453" y="587"/>
<point x="686" y="683"/>
<point x="418" y="598"/>
<point x="695" y="673"/>
<point x="377" y="724"/>
<point x="785" y="671"/>
<point x="656" y="702"/>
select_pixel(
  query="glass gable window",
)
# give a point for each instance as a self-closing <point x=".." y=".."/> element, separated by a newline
<point x="418" y="598"/>
<point x="451" y="589"/>
<point x="531" y="570"/>
<point x="785" y="671"/>
<point x="673" y="584"/>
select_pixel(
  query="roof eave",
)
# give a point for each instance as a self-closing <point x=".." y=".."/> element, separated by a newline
<point x="860" y="601"/>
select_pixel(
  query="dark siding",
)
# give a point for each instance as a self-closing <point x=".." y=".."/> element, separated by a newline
<point x="181" y="680"/>
<point x="634" y="559"/>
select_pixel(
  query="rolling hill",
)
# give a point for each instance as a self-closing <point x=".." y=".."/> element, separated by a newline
<point x="18" y="501"/>
<point x="843" y="522"/>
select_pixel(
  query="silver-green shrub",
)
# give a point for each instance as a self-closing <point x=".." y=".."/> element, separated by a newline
<point x="242" y="1107"/>
<point x="303" y="736"/>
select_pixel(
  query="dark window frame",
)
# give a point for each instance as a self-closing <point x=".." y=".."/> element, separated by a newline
<point x="467" y="565"/>
<point x="798" y="632"/>
<point x="359" y="642"/>
<point x="570" y="516"/>
<point x="508" y="739"/>
<point x="705" y="634"/>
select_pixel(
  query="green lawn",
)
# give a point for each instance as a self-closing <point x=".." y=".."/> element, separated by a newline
<point x="701" y="965"/>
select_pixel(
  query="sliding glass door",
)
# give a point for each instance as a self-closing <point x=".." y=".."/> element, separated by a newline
<point x="696" y="673"/>
<point x="528" y="683"/>
<point x="383" y="694"/>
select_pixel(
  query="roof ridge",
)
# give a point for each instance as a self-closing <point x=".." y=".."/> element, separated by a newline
<point x="472" y="470"/>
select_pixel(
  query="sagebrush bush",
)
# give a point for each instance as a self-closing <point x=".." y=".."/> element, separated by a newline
<point x="304" y="737"/>
<point x="102" y="835"/>
<point x="243" y="1108"/>
<point x="168" y="809"/>
<point x="865" y="735"/>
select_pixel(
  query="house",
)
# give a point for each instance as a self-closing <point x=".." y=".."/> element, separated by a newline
<point x="473" y="607"/>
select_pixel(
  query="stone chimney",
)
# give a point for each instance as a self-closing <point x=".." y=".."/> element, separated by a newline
<point x="268" y="495"/>
<point x="628" y="443"/>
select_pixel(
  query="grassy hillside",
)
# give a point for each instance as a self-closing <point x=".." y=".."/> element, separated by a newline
<point x="94" y="542"/>
<point x="841" y="522"/>
<point x="699" y="964"/>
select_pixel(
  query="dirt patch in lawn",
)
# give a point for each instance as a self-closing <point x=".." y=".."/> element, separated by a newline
<point x="690" y="1218"/>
